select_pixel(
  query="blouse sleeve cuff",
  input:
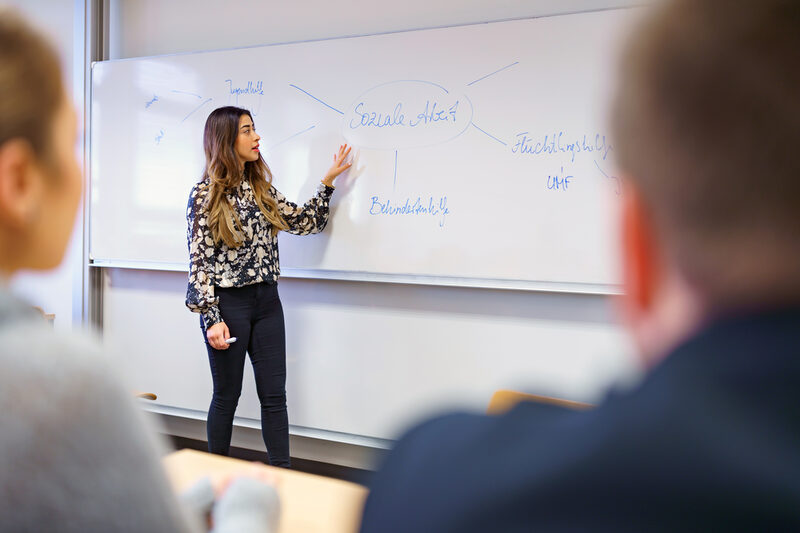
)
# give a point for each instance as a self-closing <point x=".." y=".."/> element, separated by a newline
<point x="325" y="190"/>
<point x="212" y="316"/>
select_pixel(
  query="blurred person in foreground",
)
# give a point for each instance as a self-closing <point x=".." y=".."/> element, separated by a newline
<point x="75" y="453"/>
<point x="707" y="124"/>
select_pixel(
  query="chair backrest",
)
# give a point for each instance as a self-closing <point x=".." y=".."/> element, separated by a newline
<point x="49" y="317"/>
<point x="145" y="395"/>
<point x="503" y="400"/>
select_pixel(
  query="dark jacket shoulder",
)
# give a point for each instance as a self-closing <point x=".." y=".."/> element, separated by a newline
<point x="707" y="441"/>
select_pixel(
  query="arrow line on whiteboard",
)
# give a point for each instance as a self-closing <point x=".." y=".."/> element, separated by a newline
<point x="291" y="137"/>
<point x="615" y="178"/>
<point x="493" y="73"/>
<point x="315" y="98"/>
<point x="187" y="92"/>
<point x="195" y="110"/>
<point x="489" y="134"/>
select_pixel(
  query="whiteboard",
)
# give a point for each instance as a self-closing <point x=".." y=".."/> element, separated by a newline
<point x="482" y="151"/>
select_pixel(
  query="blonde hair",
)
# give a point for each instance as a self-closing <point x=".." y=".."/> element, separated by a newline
<point x="223" y="174"/>
<point x="31" y="90"/>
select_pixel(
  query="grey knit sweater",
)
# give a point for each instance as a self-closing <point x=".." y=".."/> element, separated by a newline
<point x="76" y="454"/>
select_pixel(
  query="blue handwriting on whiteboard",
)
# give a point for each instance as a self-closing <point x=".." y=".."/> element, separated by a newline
<point x="429" y="115"/>
<point x="151" y="102"/>
<point x="559" y="143"/>
<point x="251" y="88"/>
<point x="435" y="208"/>
<point x="559" y="182"/>
<point x="159" y="136"/>
<point x="378" y="120"/>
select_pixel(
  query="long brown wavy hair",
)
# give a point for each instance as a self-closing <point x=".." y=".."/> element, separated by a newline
<point x="222" y="175"/>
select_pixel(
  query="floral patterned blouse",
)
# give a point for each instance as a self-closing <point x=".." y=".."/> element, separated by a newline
<point x="256" y="259"/>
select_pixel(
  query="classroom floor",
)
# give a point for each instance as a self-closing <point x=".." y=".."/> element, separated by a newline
<point x="344" y="473"/>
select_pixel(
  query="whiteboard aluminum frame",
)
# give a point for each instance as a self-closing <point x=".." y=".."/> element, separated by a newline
<point x="599" y="289"/>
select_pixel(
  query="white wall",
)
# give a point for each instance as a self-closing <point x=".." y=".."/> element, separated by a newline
<point x="559" y="344"/>
<point x="153" y="27"/>
<point x="59" y="291"/>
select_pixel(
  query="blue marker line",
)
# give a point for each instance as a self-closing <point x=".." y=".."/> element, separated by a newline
<point x="616" y="179"/>
<point x="601" y="170"/>
<point x="315" y="98"/>
<point x="191" y="94"/>
<point x="493" y="73"/>
<point x="195" y="110"/>
<point x="489" y="134"/>
<point x="291" y="137"/>
<point x="394" y="183"/>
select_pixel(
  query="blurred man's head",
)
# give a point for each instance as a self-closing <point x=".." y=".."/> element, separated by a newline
<point x="707" y="126"/>
<point x="40" y="180"/>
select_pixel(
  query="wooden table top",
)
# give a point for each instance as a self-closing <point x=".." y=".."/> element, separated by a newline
<point x="309" y="503"/>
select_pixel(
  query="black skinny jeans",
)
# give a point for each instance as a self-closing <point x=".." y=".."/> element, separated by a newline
<point x="254" y="316"/>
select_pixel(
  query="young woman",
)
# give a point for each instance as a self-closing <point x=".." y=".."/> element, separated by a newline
<point x="77" y="455"/>
<point x="234" y="216"/>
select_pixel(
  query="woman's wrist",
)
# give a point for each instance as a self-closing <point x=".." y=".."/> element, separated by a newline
<point x="328" y="182"/>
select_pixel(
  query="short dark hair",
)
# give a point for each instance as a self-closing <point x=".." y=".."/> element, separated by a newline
<point x="707" y="125"/>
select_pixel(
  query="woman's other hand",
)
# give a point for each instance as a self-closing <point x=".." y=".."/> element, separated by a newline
<point x="217" y="334"/>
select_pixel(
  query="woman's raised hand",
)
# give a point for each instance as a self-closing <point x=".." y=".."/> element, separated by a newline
<point x="338" y="165"/>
